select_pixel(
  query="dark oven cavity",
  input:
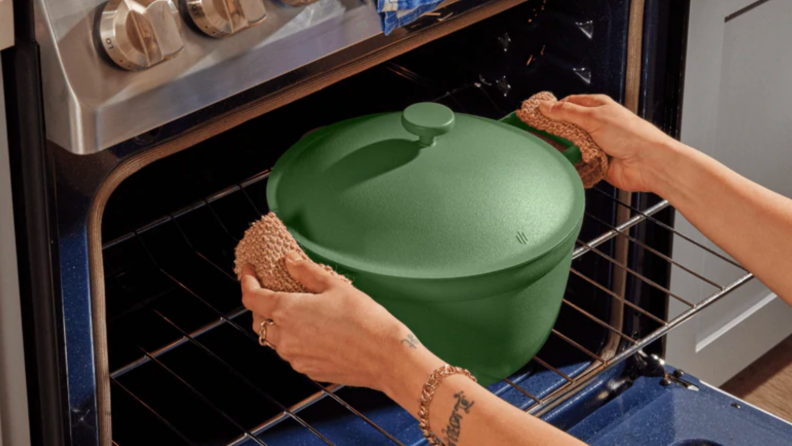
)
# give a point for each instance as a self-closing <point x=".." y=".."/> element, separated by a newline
<point x="186" y="368"/>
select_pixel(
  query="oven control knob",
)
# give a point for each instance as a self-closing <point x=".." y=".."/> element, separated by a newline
<point x="221" y="18"/>
<point x="138" y="34"/>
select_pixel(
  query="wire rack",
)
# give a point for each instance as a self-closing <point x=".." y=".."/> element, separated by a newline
<point x="287" y="404"/>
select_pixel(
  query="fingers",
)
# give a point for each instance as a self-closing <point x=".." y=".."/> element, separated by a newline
<point x="588" y="100"/>
<point x="579" y="109"/>
<point x="569" y="112"/>
<point x="258" y="299"/>
<point x="248" y="280"/>
<point x="315" y="279"/>
<point x="254" y="297"/>
<point x="266" y="302"/>
<point x="257" y="320"/>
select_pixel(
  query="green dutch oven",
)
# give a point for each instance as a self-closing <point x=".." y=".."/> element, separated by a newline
<point x="461" y="226"/>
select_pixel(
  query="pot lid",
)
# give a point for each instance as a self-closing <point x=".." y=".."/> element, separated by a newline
<point x="426" y="193"/>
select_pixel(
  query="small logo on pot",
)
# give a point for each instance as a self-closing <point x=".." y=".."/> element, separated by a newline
<point x="522" y="238"/>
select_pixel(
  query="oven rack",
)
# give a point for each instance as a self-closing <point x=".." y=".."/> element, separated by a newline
<point x="537" y="403"/>
<point x="635" y="346"/>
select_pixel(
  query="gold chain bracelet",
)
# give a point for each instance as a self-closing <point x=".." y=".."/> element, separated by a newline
<point x="429" y="389"/>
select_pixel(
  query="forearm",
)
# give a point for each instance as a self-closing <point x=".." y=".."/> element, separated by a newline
<point x="750" y="222"/>
<point x="464" y="413"/>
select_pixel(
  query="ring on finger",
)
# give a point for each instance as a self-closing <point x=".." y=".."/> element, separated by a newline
<point x="263" y="333"/>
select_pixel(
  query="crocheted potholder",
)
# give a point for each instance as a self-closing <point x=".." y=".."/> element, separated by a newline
<point x="264" y="247"/>
<point x="593" y="165"/>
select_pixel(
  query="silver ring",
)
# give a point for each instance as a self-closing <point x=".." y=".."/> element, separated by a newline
<point x="263" y="333"/>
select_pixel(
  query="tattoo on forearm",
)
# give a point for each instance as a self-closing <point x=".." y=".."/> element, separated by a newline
<point x="411" y="341"/>
<point x="453" y="430"/>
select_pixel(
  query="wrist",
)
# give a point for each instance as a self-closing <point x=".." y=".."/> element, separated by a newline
<point x="410" y="368"/>
<point x="663" y="166"/>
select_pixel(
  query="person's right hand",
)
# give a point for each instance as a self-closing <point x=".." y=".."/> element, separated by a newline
<point x="635" y="146"/>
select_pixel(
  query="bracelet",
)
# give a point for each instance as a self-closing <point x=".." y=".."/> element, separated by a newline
<point x="435" y="378"/>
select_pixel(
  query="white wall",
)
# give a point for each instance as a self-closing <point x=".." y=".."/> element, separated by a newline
<point x="738" y="109"/>
<point x="14" y="429"/>
<point x="6" y="24"/>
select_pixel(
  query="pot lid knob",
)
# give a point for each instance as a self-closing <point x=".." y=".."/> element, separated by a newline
<point x="427" y="121"/>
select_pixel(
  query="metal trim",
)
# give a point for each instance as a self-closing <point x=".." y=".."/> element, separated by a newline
<point x="632" y="94"/>
<point x="37" y="256"/>
<point x="14" y="418"/>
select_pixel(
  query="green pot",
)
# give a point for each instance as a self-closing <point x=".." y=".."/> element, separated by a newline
<point x="461" y="226"/>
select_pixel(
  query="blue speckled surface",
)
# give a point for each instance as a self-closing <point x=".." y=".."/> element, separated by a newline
<point x="649" y="414"/>
<point x="341" y="426"/>
<point x="536" y="380"/>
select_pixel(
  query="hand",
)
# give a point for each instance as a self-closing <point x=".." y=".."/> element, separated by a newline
<point x="335" y="333"/>
<point x="635" y="146"/>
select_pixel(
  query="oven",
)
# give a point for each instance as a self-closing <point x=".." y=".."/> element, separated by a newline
<point x="132" y="188"/>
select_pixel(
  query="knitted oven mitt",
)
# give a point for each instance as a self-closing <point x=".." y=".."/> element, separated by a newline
<point x="593" y="166"/>
<point x="264" y="247"/>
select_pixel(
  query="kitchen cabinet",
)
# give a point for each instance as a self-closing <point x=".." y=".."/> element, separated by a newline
<point x="738" y="109"/>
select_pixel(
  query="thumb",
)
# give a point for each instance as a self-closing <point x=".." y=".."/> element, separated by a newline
<point x="248" y="280"/>
<point x="569" y="112"/>
<point x="315" y="279"/>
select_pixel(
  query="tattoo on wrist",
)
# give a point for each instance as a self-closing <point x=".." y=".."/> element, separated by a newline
<point x="453" y="430"/>
<point x="411" y="341"/>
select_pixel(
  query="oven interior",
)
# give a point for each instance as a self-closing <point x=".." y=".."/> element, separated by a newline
<point x="186" y="368"/>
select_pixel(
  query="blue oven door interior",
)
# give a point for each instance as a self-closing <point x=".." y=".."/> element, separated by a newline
<point x="658" y="411"/>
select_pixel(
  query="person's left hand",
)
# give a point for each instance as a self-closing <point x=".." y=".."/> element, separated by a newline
<point x="335" y="333"/>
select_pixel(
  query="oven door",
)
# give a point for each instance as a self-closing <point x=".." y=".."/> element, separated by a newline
<point x="680" y="410"/>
